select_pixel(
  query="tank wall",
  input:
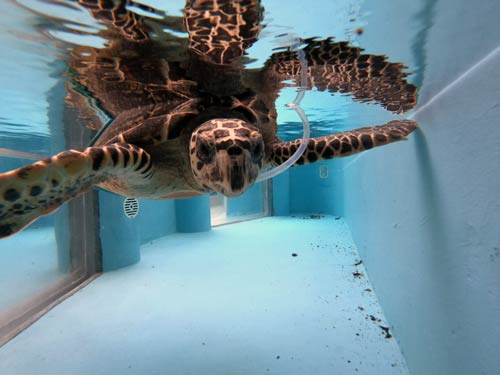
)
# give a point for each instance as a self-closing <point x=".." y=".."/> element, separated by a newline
<point x="156" y="219"/>
<point x="425" y="214"/>
<point x="250" y="203"/>
<point x="121" y="236"/>
<point x="304" y="190"/>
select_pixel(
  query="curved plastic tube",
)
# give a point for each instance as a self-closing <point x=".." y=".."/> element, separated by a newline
<point x="306" y="132"/>
<point x="297" y="154"/>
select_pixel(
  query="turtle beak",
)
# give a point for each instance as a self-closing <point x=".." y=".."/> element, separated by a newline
<point x="237" y="178"/>
<point x="240" y="174"/>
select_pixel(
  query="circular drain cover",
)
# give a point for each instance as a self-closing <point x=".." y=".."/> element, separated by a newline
<point x="131" y="207"/>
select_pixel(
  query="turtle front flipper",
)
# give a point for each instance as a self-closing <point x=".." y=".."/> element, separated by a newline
<point x="339" y="67"/>
<point x="40" y="188"/>
<point x="343" y="144"/>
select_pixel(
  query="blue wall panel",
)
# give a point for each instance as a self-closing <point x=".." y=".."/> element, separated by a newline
<point x="301" y="189"/>
<point x="250" y="203"/>
<point x="120" y="238"/>
<point x="156" y="219"/>
<point x="309" y="193"/>
<point x="281" y="194"/>
<point x="193" y="214"/>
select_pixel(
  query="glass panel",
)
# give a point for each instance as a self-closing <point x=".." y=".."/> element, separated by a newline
<point x="56" y="254"/>
<point x="46" y="261"/>
<point x="254" y="203"/>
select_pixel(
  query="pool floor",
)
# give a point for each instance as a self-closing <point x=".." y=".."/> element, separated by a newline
<point x="279" y="295"/>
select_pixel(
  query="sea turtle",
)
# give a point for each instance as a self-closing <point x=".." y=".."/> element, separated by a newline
<point x="189" y="118"/>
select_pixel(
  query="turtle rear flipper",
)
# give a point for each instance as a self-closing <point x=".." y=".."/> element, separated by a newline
<point x="42" y="187"/>
<point x="344" y="143"/>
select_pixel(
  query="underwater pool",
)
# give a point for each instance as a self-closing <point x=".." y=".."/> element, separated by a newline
<point x="385" y="261"/>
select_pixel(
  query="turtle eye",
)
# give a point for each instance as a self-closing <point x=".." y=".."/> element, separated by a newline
<point x="204" y="150"/>
<point x="257" y="152"/>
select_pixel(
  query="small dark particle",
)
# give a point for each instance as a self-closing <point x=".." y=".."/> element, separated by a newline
<point x="358" y="263"/>
<point x="368" y="290"/>
<point x="374" y="318"/>
<point x="357" y="334"/>
<point x="313" y="216"/>
<point x="361" y="308"/>
<point x="278" y="357"/>
<point x="358" y="275"/>
<point x="348" y="361"/>
<point x="294" y="254"/>
<point x="359" y="31"/>
<point x="337" y="218"/>
<point x="386" y="331"/>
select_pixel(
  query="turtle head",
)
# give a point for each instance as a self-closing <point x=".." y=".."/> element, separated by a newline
<point x="226" y="155"/>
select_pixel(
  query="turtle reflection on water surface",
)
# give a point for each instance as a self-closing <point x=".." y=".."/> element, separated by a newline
<point x="188" y="118"/>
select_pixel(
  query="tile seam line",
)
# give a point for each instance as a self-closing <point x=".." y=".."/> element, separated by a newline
<point x="443" y="91"/>
<point x="456" y="81"/>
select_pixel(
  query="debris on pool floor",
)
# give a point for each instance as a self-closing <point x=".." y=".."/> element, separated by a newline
<point x="273" y="295"/>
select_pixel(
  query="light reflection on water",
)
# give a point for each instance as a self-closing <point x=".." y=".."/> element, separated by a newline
<point x="37" y="34"/>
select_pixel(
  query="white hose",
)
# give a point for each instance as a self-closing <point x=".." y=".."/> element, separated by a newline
<point x="305" y="123"/>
